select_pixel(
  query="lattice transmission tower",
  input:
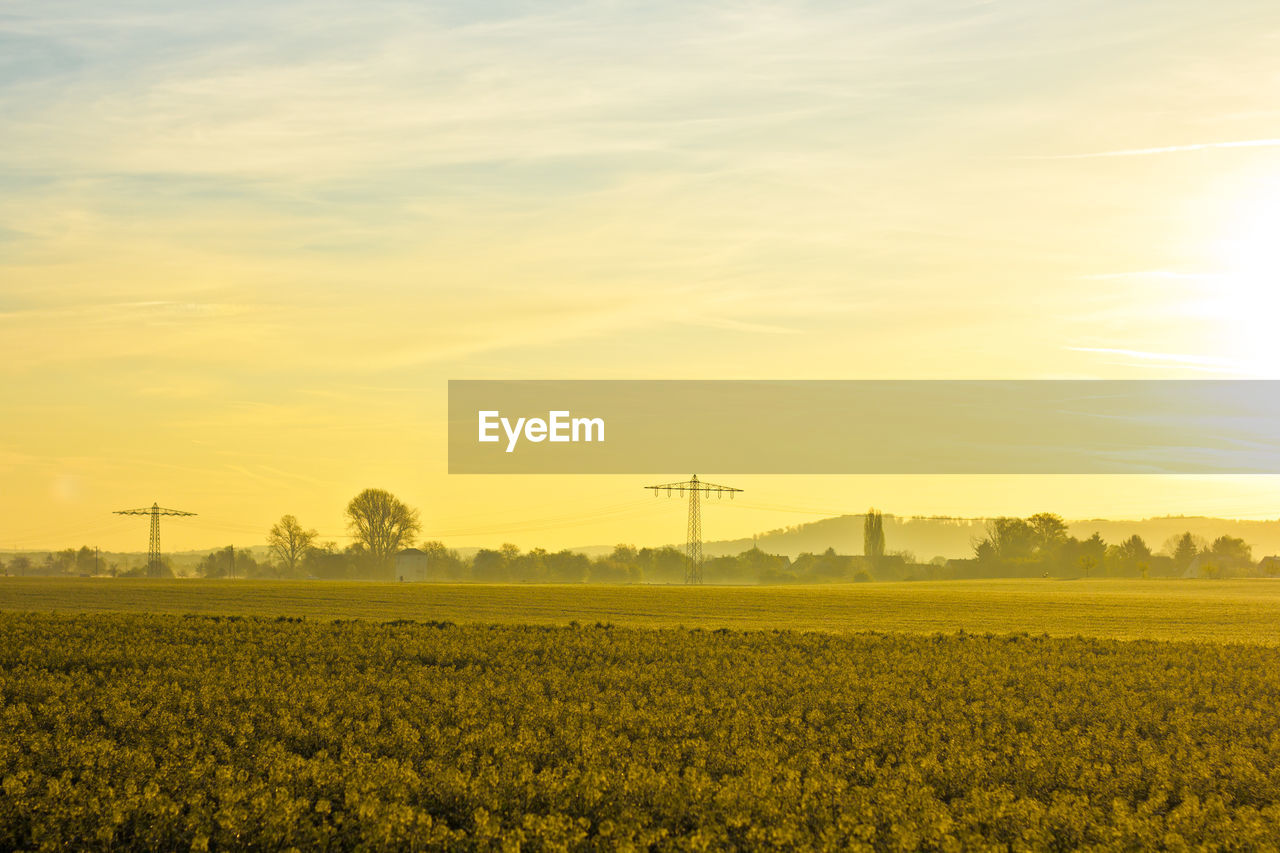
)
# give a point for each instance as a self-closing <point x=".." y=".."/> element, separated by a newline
<point x="153" y="547"/>
<point x="693" y="548"/>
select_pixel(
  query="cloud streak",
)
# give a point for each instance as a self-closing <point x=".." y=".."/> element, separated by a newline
<point x="1163" y="149"/>
<point x="1164" y="359"/>
<point x="1170" y="275"/>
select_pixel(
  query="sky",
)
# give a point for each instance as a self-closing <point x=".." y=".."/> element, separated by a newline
<point x="244" y="246"/>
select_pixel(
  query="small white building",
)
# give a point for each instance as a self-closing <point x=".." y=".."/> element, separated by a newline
<point x="411" y="565"/>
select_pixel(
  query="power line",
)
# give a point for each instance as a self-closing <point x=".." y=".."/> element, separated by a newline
<point x="29" y="534"/>
<point x="571" y="520"/>
<point x="831" y="513"/>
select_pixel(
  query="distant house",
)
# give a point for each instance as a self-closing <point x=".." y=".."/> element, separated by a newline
<point x="1269" y="566"/>
<point x="1204" y="565"/>
<point x="411" y="565"/>
<point x="1207" y="565"/>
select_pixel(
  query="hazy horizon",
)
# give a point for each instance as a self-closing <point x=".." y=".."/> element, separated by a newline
<point x="817" y="535"/>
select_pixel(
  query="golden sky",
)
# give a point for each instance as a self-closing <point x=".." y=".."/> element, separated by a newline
<point x="242" y="249"/>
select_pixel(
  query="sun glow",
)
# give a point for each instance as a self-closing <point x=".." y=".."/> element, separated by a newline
<point x="1246" y="289"/>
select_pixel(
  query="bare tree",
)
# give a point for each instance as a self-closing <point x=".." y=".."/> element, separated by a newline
<point x="382" y="523"/>
<point x="289" y="542"/>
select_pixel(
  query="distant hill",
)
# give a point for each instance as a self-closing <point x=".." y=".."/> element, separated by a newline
<point x="927" y="538"/>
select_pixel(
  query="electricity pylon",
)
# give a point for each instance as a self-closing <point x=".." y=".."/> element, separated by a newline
<point x="693" y="548"/>
<point x="153" y="547"/>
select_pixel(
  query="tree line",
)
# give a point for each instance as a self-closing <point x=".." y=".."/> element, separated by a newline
<point x="1037" y="546"/>
<point x="383" y="528"/>
<point x="1040" y="545"/>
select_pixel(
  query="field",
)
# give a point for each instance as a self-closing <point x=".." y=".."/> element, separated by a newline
<point x="175" y="733"/>
<point x="457" y="717"/>
<point x="1228" y="610"/>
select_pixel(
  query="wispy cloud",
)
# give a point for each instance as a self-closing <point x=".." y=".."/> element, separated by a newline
<point x="1170" y="359"/>
<point x="1171" y="275"/>
<point x="732" y="325"/>
<point x="1163" y="149"/>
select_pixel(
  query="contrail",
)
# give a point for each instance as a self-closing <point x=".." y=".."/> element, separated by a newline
<point x="1167" y="149"/>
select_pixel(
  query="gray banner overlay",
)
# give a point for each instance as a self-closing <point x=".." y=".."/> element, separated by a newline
<point x="865" y="427"/>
